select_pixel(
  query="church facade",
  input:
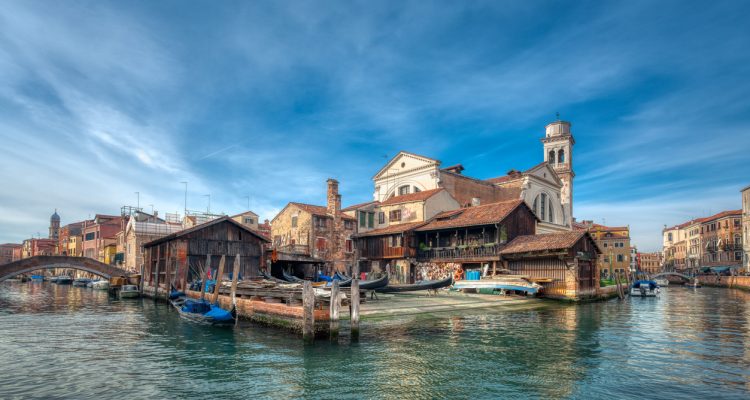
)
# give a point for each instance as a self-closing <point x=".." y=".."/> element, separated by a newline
<point x="546" y="188"/>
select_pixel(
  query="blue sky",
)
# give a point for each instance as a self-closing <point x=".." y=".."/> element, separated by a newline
<point x="101" y="100"/>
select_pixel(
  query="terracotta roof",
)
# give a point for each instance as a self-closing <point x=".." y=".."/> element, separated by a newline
<point x="599" y="227"/>
<point x="407" y="198"/>
<point x="319" y="210"/>
<point x="542" y="242"/>
<point x="204" y="225"/>
<point x="355" y="207"/>
<point x="479" y="215"/>
<point x="722" y="214"/>
<point x="389" y="230"/>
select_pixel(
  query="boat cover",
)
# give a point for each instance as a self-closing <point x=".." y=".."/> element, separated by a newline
<point x="651" y="284"/>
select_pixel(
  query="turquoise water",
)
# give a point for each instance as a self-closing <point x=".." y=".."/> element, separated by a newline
<point x="69" y="342"/>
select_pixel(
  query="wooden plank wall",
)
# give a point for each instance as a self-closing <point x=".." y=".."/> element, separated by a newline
<point x="543" y="268"/>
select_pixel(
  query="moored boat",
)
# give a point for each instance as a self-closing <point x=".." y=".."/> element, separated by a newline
<point x="374" y="283"/>
<point x="662" y="282"/>
<point x="100" y="285"/>
<point x="423" y="285"/>
<point x="129" y="292"/>
<point x="201" y="311"/>
<point x="644" y="288"/>
<point x="81" y="282"/>
<point x="509" y="284"/>
<point x="63" y="280"/>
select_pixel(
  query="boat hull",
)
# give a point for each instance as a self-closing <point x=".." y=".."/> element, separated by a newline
<point x="430" y="285"/>
<point x="210" y="314"/>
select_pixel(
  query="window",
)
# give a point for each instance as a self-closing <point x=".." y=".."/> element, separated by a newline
<point x="348" y="224"/>
<point x="417" y="190"/>
<point x="403" y="190"/>
<point x="561" y="157"/>
<point x="249" y="221"/>
<point x="394" y="215"/>
<point x="605" y="245"/>
<point x="320" y="222"/>
<point x="736" y="222"/>
<point x="669" y="236"/>
<point x="737" y="256"/>
<point x="543" y="207"/>
<point x="90" y="236"/>
<point x="620" y="258"/>
<point x="381" y="218"/>
<point x="320" y="244"/>
<point x="606" y="259"/>
<point x="348" y="245"/>
<point x="551" y="157"/>
<point x="371" y="220"/>
<point x="551" y="218"/>
<point x="396" y="241"/>
<point x="294" y="221"/>
<point x="362" y="219"/>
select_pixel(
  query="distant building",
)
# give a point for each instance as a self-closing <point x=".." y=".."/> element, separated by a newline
<point x="70" y="240"/>
<point x="247" y="218"/>
<point x="721" y="237"/>
<point x="308" y="238"/>
<point x="100" y="237"/>
<point x="10" y="252"/>
<point x="54" y="226"/>
<point x="650" y="262"/>
<point x="140" y="228"/>
<point x="38" y="247"/>
<point x="633" y="259"/>
<point x="746" y="228"/>
<point x="614" y="242"/>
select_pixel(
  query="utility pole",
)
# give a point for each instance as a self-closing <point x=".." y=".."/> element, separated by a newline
<point x="152" y="209"/>
<point x="208" y="210"/>
<point x="185" y="209"/>
<point x="138" y="197"/>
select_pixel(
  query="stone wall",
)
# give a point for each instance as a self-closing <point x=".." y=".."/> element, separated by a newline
<point x="740" y="282"/>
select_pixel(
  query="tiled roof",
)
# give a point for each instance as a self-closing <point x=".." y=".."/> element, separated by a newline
<point x="599" y="227"/>
<point x="542" y="242"/>
<point x="407" y="198"/>
<point x="479" y="215"/>
<point x="389" y="230"/>
<point x="202" y="226"/>
<point x="722" y="214"/>
<point x="319" y="210"/>
<point x="355" y="207"/>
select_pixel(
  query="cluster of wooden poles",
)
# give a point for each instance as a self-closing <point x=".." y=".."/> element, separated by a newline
<point x="308" y="315"/>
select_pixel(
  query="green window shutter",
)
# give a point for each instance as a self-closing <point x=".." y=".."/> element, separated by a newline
<point x="371" y="220"/>
<point x="362" y="219"/>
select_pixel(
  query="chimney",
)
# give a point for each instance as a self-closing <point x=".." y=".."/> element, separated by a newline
<point x="333" y="204"/>
<point x="475" y="201"/>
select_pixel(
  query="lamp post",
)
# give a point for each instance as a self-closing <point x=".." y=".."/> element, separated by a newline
<point x="185" y="209"/>
<point x="138" y="200"/>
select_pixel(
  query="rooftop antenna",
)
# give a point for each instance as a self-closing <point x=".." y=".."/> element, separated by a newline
<point x="557" y="115"/>
<point x="185" y="209"/>
<point x="208" y="210"/>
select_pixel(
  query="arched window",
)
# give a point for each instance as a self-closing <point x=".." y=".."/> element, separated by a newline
<point x="551" y="214"/>
<point x="551" y="157"/>
<point x="403" y="190"/>
<point x="543" y="207"/>
<point x="535" y="206"/>
<point x="561" y="156"/>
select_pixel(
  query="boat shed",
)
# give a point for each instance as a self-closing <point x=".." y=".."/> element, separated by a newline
<point x="564" y="263"/>
<point x="182" y="257"/>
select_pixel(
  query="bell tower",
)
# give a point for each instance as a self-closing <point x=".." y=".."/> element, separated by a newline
<point x="558" y="153"/>
<point x="54" y="226"/>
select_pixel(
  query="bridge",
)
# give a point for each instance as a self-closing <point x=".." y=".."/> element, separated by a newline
<point x="677" y="274"/>
<point x="35" y="263"/>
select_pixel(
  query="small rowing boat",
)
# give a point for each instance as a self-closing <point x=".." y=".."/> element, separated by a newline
<point x="201" y="311"/>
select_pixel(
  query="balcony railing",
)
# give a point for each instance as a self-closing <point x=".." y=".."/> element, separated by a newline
<point x="460" y="252"/>
<point x="388" y="252"/>
<point x="295" y="249"/>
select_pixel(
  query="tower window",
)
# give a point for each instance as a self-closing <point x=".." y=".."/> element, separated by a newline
<point x="561" y="156"/>
<point x="551" y="157"/>
<point x="403" y="190"/>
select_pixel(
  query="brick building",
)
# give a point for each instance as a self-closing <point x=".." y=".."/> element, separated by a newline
<point x="70" y="240"/>
<point x="38" y="247"/>
<point x="10" y="252"/>
<point x="650" y="263"/>
<point x="307" y="237"/>
<point x="721" y="237"/>
<point x="100" y="237"/>
<point x="614" y="243"/>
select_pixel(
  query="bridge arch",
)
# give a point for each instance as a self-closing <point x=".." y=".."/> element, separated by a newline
<point x="47" y="262"/>
<point x="677" y="274"/>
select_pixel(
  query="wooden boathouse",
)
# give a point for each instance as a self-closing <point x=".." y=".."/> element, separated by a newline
<point x="564" y="263"/>
<point x="182" y="257"/>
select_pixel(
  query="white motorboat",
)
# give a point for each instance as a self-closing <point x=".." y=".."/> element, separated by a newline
<point x="129" y="291"/>
<point x="644" y="289"/>
<point x="100" y="285"/>
<point x="662" y="282"/>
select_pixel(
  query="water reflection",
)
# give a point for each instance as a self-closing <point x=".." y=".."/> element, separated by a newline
<point x="66" y="341"/>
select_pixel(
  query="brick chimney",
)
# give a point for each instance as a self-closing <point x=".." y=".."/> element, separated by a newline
<point x="333" y="204"/>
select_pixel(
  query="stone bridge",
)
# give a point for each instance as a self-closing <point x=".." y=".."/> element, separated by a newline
<point x="677" y="274"/>
<point x="46" y="262"/>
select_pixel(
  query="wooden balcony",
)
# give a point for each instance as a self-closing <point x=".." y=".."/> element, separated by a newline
<point x="299" y="249"/>
<point x="387" y="252"/>
<point x="485" y="251"/>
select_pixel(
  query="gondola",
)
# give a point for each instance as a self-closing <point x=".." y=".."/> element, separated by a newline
<point x="292" y="278"/>
<point x="424" y="285"/>
<point x="271" y="278"/>
<point x="201" y="311"/>
<point x="374" y="283"/>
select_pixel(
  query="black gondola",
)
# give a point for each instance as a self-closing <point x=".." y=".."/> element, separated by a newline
<point x="424" y="285"/>
<point x="272" y="278"/>
<point x="374" y="283"/>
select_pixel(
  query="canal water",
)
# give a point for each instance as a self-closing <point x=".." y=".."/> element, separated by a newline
<point x="69" y="342"/>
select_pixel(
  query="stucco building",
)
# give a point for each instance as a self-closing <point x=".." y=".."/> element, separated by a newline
<point x="10" y="252"/>
<point x="70" y="240"/>
<point x="100" y="237"/>
<point x="746" y="228"/>
<point x="721" y="236"/>
<point x="614" y="243"/>
<point x="650" y="263"/>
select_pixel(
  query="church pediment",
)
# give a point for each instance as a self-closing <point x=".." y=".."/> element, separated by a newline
<point x="404" y="162"/>
<point x="545" y="172"/>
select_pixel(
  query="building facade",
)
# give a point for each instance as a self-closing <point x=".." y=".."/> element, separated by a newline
<point x="614" y="243"/>
<point x="746" y="228"/>
<point x="38" y="247"/>
<point x="721" y="236"/>
<point x="140" y="228"/>
<point x="100" y="237"/>
<point x="650" y="263"/>
<point x="10" y="252"/>
<point x="307" y="239"/>
<point x="69" y="240"/>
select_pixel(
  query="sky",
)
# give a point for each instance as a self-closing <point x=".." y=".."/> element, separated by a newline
<point x="267" y="99"/>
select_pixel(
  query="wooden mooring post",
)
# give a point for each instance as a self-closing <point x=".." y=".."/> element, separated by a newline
<point x="334" y="311"/>
<point x="217" y="278"/>
<point x="235" y="274"/>
<point x="308" y="313"/>
<point x="205" y="276"/>
<point x="354" y="310"/>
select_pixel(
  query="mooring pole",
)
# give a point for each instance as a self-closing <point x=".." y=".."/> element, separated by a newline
<point x="156" y="279"/>
<point x="334" y="311"/>
<point x="235" y="274"/>
<point x="205" y="276"/>
<point x="308" y="313"/>
<point x="354" y="310"/>
<point x="217" y="278"/>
